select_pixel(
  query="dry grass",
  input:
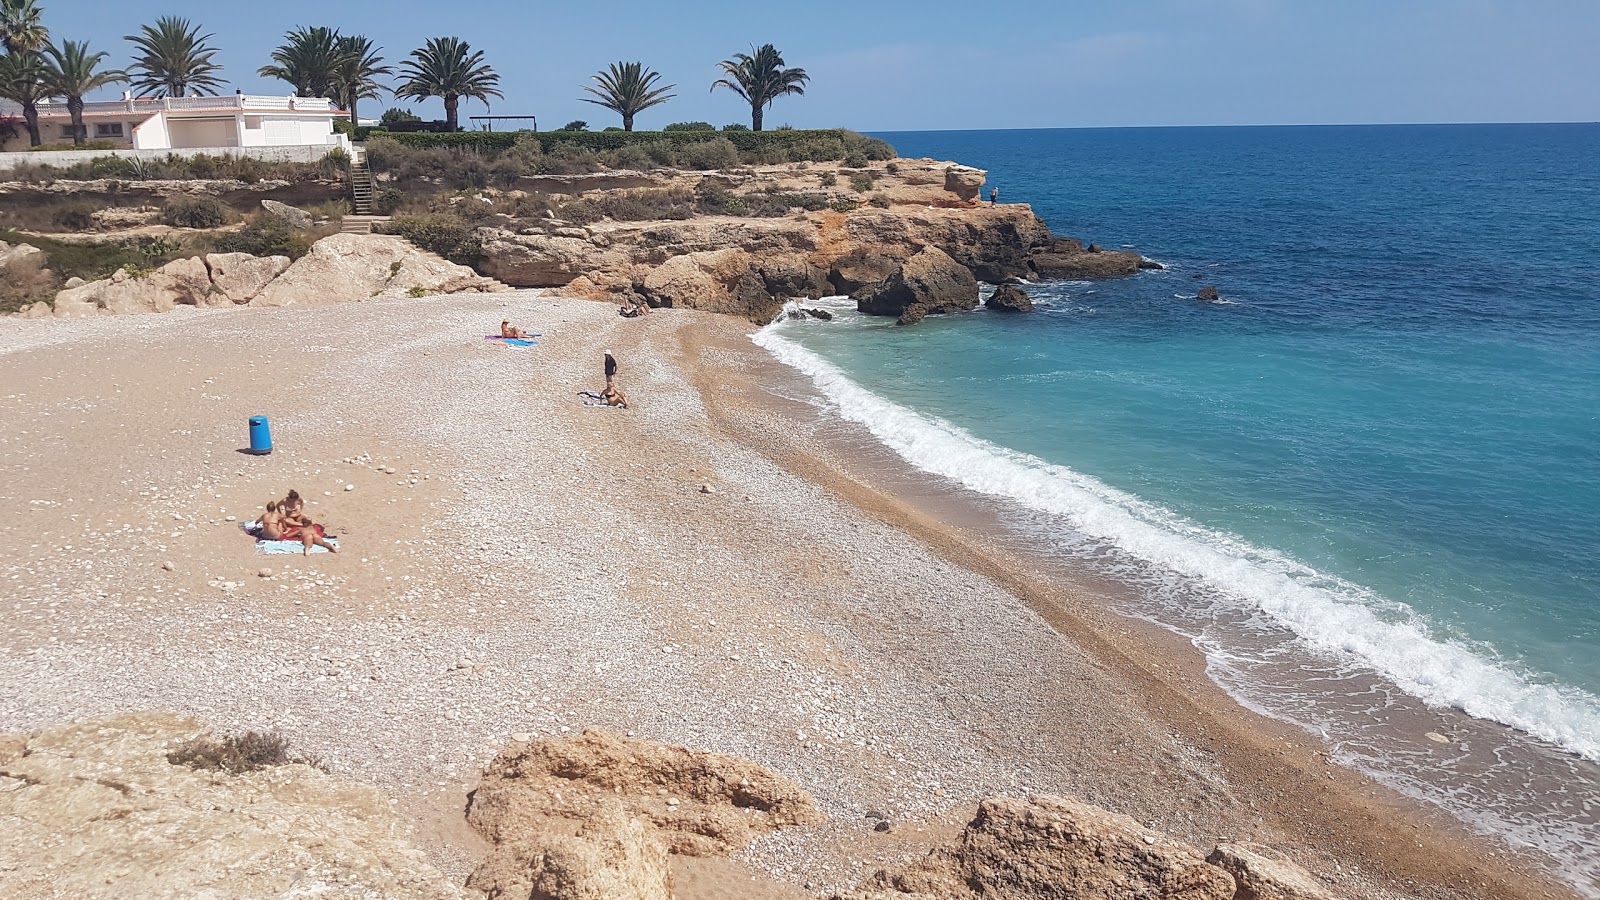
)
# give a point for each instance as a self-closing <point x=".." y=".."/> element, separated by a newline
<point x="236" y="754"/>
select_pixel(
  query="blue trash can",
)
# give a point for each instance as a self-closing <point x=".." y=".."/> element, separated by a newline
<point x="260" y="436"/>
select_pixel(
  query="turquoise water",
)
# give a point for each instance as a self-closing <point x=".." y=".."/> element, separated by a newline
<point x="1387" y="442"/>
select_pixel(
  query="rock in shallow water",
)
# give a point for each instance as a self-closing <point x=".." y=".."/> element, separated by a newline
<point x="1009" y="298"/>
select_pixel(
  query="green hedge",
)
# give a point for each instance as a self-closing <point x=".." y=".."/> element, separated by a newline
<point x="496" y="141"/>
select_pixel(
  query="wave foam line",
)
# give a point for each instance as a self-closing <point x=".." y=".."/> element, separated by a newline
<point x="1326" y="612"/>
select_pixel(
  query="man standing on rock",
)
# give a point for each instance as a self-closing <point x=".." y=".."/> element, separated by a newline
<point x="994" y="196"/>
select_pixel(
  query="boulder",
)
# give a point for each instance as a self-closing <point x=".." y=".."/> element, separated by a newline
<point x="930" y="279"/>
<point x="965" y="182"/>
<point x="912" y="314"/>
<point x="1053" y="848"/>
<point x="18" y="260"/>
<point x="239" y="277"/>
<point x="1009" y="298"/>
<point x="859" y="268"/>
<point x="74" y="281"/>
<point x="1208" y="294"/>
<point x="699" y="803"/>
<point x="180" y="282"/>
<point x="537" y="260"/>
<point x="345" y="268"/>
<point x="1086" y="264"/>
<point x="791" y="276"/>
<point x="96" y="809"/>
<point x="613" y="856"/>
<point x="822" y="314"/>
<point x="1263" y="873"/>
<point x="38" y="310"/>
<point x="994" y="242"/>
<point x="1146" y="262"/>
<point x="715" y="281"/>
<point x="114" y="217"/>
<point x="292" y="216"/>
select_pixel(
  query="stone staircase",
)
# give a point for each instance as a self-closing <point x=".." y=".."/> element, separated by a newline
<point x="360" y="224"/>
<point x="361" y="185"/>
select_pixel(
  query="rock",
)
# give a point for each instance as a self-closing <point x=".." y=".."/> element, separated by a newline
<point x="724" y="802"/>
<point x="707" y="489"/>
<point x="859" y="268"/>
<point x="912" y="314"/>
<point x="1436" y="737"/>
<point x="715" y="281"/>
<point x="182" y="281"/>
<point x="38" y="310"/>
<point x="882" y="826"/>
<point x="538" y="260"/>
<point x="1208" y="294"/>
<point x="791" y="275"/>
<point x="613" y="856"/>
<point x="822" y="314"/>
<point x="115" y="217"/>
<point x="965" y="182"/>
<point x="1146" y="262"/>
<point x="293" y="216"/>
<point x="167" y="565"/>
<point x="17" y="260"/>
<point x="930" y="279"/>
<point x="994" y="242"/>
<point x="263" y="573"/>
<point x="1085" y="264"/>
<point x="98" y="803"/>
<point x="346" y="268"/>
<point x="74" y="281"/>
<point x="1009" y="298"/>
<point x="1052" y="847"/>
<point x="239" y="277"/>
<point x="1263" y="873"/>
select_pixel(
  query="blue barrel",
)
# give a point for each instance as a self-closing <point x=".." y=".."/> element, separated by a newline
<point x="260" y="436"/>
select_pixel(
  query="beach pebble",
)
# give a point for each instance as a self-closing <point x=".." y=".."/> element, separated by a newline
<point x="707" y="489"/>
<point x="264" y="573"/>
<point x="167" y="565"/>
<point x="521" y="737"/>
<point x="1436" y="737"/>
<point x="349" y="487"/>
<point x="389" y="470"/>
<point x="881" y="827"/>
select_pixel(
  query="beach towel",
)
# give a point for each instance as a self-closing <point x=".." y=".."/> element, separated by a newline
<point x="270" y="548"/>
<point x="515" y="342"/>
<point x="593" y="405"/>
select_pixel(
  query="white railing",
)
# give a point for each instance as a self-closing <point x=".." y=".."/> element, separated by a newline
<point x="234" y="101"/>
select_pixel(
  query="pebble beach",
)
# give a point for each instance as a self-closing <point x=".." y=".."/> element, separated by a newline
<point x="711" y="567"/>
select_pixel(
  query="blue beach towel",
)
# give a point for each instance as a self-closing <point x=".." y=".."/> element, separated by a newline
<point x="515" y="342"/>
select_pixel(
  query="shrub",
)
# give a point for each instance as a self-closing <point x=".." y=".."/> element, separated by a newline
<point x="861" y="182"/>
<point x="612" y="128"/>
<point x="337" y="161"/>
<point x="416" y="290"/>
<point x="195" y="212"/>
<point x="808" y="202"/>
<point x="735" y="126"/>
<point x="344" y="126"/>
<point x="828" y="179"/>
<point x="575" y="125"/>
<point x="452" y="237"/>
<point x="855" y="159"/>
<point x="717" y="154"/>
<point x="843" y="205"/>
<point x="388" y="202"/>
<point x="892" y="169"/>
<point x="879" y="200"/>
<point x="632" y="156"/>
<point x="690" y="126"/>
<point x="395" y="114"/>
<point x="75" y="218"/>
<point x="237" y="754"/>
<point x="265" y="236"/>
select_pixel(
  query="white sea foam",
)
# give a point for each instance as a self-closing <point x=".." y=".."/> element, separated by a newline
<point x="1326" y="612"/>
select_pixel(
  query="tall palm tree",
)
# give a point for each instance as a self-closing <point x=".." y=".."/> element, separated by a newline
<point x="355" y="76"/>
<point x="760" y="78"/>
<point x="174" y="60"/>
<point x="308" y="60"/>
<point x="72" y="71"/>
<point x="21" y="30"/>
<point x="448" y="68"/>
<point x="22" y="81"/>
<point x="628" y="88"/>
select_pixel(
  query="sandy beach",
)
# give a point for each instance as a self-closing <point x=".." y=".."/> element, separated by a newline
<point x="724" y="566"/>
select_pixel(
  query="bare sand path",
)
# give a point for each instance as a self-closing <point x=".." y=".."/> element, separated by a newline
<point x="515" y="562"/>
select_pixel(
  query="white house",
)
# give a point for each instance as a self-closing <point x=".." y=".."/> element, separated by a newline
<point x="189" y="123"/>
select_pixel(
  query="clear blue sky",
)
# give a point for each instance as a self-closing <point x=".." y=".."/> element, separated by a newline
<point x="880" y="66"/>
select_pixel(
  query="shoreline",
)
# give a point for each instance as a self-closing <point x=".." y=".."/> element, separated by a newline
<point x="566" y="558"/>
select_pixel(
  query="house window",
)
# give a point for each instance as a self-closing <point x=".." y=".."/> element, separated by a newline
<point x="67" y="132"/>
<point x="108" y="129"/>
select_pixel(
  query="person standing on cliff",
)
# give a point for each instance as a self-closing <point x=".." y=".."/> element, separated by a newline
<point x="994" y="196"/>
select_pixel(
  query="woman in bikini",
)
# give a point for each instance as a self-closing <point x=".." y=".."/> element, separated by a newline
<point x="507" y="330"/>
<point x="298" y="527"/>
<point x="271" y="523"/>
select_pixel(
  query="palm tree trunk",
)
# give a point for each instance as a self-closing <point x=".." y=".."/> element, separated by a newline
<point x="451" y="102"/>
<point x="30" y="117"/>
<point x="627" y="123"/>
<point x="756" y="114"/>
<point x="353" y="122"/>
<point x="80" y="134"/>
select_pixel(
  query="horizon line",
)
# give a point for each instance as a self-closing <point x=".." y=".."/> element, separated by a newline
<point x="1232" y="125"/>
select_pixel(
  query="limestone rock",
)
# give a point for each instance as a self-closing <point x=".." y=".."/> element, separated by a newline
<point x="17" y="260"/>
<point x="537" y="260"/>
<point x="913" y="314"/>
<point x="930" y="279"/>
<point x="345" y="268"/>
<point x="965" y="182"/>
<point x="114" y="217"/>
<point x="1263" y="873"/>
<point x="95" y="810"/>
<point x="239" y="277"/>
<point x="859" y="268"/>
<point x="74" y="281"/>
<point x="1053" y="848"/>
<point x="715" y="281"/>
<point x="1086" y="264"/>
<point x="1009" y="298"/>
<point x="39" y="310"/>
<point x="701" y="803"/>
<point x="791" y="275"/>
<point x="293" y="216"/>
<point x="180" y="282"/>
<point x="613" y="856"/>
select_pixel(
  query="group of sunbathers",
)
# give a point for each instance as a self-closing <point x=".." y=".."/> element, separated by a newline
<point x="633" y="309"/>
<point x="286" y="520"/>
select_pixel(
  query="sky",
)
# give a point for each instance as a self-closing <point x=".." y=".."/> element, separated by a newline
<point x="937" y="64"/>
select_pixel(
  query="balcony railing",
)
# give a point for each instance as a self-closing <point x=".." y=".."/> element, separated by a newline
<point x="234" y="101"/>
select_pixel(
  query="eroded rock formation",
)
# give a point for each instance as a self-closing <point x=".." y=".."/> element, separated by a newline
<point x="1009" y="298"/>
<point x="929" y="282"/>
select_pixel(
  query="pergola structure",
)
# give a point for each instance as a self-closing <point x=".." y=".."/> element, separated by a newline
<point x="488" y="121"/>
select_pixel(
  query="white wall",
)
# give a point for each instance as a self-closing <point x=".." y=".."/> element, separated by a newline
<point x="151" y="135"/>
<point x="190" y="133"/>
<point x="299" y="153"/>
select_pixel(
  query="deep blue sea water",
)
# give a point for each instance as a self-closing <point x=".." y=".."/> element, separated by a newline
<point x="1385" y="445"/>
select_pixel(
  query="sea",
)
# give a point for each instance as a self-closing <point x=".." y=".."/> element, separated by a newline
<point x="1366" y="484"/>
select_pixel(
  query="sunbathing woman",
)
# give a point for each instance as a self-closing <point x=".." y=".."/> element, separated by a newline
<point x="613" y="397"/>
<point x="271" y="523"/>
<point x="293" y="509"/>
<point x="507" y="330"/>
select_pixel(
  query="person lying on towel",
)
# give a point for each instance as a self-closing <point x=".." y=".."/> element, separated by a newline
<point x="507" y="330"/>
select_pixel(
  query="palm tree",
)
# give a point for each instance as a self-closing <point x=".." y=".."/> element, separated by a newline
<point x="355" y="77"/>
<point x="20" y="28"/>
<point x="72" y="71"/>
<point x="628" y="88"/>
<point x="448" y="68"/>
<point x="760" y="78"/>
<point x="309" y="61"/>
<point x="22" y="81"/>
<point x="174" y="60"/>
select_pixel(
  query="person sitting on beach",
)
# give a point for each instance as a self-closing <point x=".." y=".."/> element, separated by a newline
<point x="309" y="535"/>
<point x="613" y="397"/>
<point x="507" y="330"/>
<point x="629" y="311"/>
<point x="271" y="523"/>
<point x="293" y="509"/>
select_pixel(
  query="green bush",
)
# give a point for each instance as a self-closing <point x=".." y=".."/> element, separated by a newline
<point x="452" y="237"/>
<point x="690" y="126"/>
<point x="266" y="236"/>
<point x="342" y="125"/>
<point x="395" y="114"/>
<point x="195" y="212"/>
<point x="237" y="754"/>
<point x="828" y="179"/>
<point x="861" y="182"/>
<point x="717" y="154"/>
<point x="814" y="146"/>
<point x="388" y="202"/>
<point x="843" y="205"/>
<point x="879" y="200"/>
<point x="735" y="126"/>
<point x="575" y="125"/>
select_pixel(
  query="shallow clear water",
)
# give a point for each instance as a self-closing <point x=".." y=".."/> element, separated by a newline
<point x="1387" y="442"/>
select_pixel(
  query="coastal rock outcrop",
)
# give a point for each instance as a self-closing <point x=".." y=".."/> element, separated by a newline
<point x="715" y="281"/>
<point x="239" y="277"/>
<point x="1263" y="873"/>
<point x="345" y="268"/>
<point x="97" y="810"/>
<point x="1052" y="847"/>
<point x="180" y="282"/>
<point x="612" y="856"/>
<point x="930" y="280"/>
<point x="965" y="182"/>
<point x="1009" y="298"/>
<point x="859" y="268"/>
<point x="1066" y="258"/>
<point x="292" y="216"/>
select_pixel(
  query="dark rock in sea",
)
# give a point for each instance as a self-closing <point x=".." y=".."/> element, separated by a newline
<point x="1103" y="264"/>
<point x="1009" y="298"/>
<point x="912" y="314"/>
<point x="822" y="314"/>
<point x="1148" y="263"/>
<point x="859" y="268"/>
<point x="1209" y="294"/>
<point x="931" y="280"/>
